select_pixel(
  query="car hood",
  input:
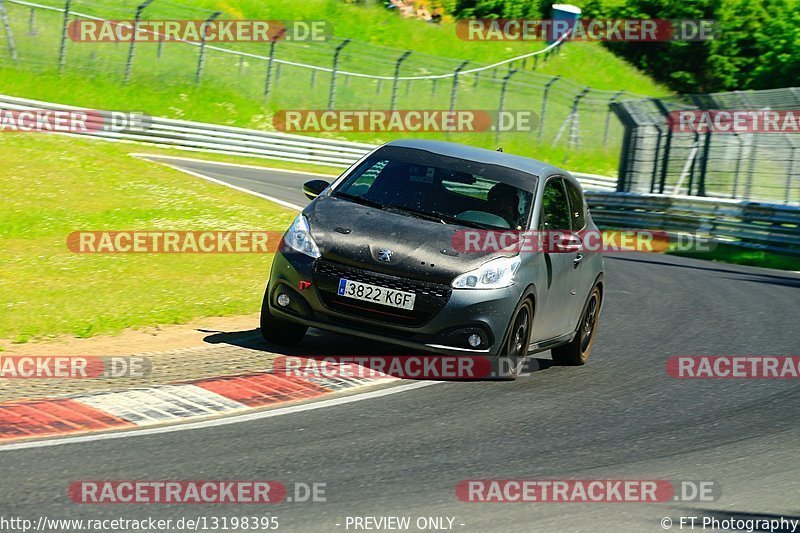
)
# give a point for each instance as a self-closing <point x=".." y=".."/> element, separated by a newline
<point x="355" y="235"/>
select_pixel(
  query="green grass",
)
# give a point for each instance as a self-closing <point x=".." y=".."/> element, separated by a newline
<point x="727" y="253"/>
<point x="231" y="91"/>
<point x="53" y="185"/>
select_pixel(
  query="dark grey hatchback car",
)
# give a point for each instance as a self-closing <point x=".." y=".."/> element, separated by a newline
<point x="379" y="254"/>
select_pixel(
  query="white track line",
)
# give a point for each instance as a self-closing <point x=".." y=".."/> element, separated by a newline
<point x="235" y="187"/>
<point x="222" y="163"/>
<point x="234" y="419"/>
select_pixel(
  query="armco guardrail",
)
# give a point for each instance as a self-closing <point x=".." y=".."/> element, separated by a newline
<point x="757" y="225"/>
<point x="198" y="136"/>
<point x="214" y="138"/>
<point x="770" y="227"/>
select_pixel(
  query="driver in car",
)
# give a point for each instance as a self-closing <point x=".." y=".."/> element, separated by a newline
<point x="504" y="202"/>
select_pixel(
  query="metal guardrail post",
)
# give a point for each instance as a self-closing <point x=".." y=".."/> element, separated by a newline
<point x="544" y="105"/>
<point x="692" y="166"/>
<point x="62" y="52"/>
<point x="790" y="172"/>
<point x="131" y="51"/>
<point x="748" y="183"/>
<point x="627" y="143"/>
<point x="454" y="89"/>
<point x="667" y="146"/>
<point x="735" y="186"/>
<point x="12" y="48"/>
<point x="201" y="60"/>
<point x="332" y="94"/>
<point x="573" y="126"/>
<point x="701" y="184"/>
<point x="32" y="23"/>
<point x="608" y="116"/>
<point x="268" y="81"/>
<point x="503" y="88"/>
<point x="655" y="160"/>
<point x="665" y="162"/>
<point x="395" y="83"/>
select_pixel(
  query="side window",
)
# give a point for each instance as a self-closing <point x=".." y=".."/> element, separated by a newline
<point x="577" y="209"/>
<point x="555" y="209"/>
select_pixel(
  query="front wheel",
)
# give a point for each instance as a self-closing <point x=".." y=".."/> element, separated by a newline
<point x="510" y="360"/>
<point x="577" y="351"/>
<point x="279" y="331"/>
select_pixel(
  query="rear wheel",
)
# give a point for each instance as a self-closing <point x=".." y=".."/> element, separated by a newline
<point x="279" y="331"/>
<point x="577" y="351"/>
<point x="515" y="349"/>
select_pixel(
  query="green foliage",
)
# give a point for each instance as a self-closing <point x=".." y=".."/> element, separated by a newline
<point x="758" y="45"/>
<point x="507" y="9"/>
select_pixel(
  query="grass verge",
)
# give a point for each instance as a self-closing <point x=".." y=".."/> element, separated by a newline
<point x="54" y="185"/>
<point x="727" y="253"/>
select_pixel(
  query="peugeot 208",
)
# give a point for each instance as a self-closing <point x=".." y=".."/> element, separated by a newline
<point x="376" y="254"/>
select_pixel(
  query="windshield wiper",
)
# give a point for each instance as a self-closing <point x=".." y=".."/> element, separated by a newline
<point x="358" y="199"/>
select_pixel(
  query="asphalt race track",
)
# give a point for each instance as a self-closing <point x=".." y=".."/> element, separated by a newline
<point x="619" y="417"/>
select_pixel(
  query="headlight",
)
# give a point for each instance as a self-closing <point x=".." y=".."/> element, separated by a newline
<point x="298" y="237"/>
<point x="495" y="274"/>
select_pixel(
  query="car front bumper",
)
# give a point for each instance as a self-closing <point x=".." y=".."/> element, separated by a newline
<point x="486" y="312"/>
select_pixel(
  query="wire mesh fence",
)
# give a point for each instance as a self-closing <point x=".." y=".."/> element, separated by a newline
<point x="753" y="165"/>
<point x="572" y="121"/>
<point x="334" y="74"/>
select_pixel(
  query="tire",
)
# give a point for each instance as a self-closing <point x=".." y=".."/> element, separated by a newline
<point x="510" y="360"/>
<point x="279" y="331"/>
<point x="577" y="351"/>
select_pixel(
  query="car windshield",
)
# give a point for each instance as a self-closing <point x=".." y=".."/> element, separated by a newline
<point x="422" y="184"/>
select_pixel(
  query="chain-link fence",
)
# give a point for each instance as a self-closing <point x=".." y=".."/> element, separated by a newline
<point x="337" y="73"/>
<point x="660" y="158"/>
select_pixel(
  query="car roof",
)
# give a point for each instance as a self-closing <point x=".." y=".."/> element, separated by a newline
<point x="481" y="155"/>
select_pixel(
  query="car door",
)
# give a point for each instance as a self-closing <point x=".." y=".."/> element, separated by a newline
<point x="582" y="261"/>
<point x="557" y="297"/>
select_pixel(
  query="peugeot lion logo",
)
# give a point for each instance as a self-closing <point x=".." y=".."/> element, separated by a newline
<point x="385" y="255"/>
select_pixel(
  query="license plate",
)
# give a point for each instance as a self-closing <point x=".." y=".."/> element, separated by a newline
<point x="375" y="294"/>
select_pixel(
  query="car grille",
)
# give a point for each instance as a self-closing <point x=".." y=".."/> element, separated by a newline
<point x="430" y="297"/>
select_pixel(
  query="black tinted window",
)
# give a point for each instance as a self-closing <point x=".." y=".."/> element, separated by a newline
<point x="420" y="183"/>
<point x="576" y="206"/>
<point x="555" y="209"/>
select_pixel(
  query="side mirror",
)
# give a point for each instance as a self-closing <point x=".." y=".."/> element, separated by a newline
<point x="313" y="188"/>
